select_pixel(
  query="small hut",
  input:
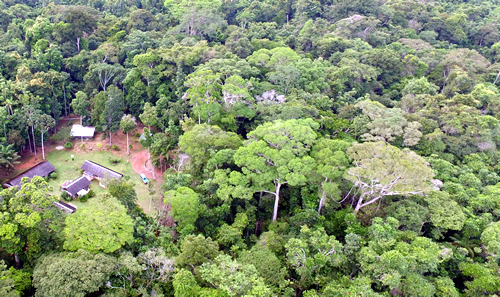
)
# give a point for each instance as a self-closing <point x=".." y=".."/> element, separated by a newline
<point x="77" y="188"/>
<point x="82" y="132"/>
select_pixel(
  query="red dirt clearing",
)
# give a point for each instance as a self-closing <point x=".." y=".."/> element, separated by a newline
<point x="140" y="163"/>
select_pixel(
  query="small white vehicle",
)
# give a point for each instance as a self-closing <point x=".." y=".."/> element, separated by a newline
<point x="145" y="180"/>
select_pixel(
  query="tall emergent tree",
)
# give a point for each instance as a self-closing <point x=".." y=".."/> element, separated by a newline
<point x="45" y="122"/>
<point x="382" y="170"/>
<point x="149" y="118"/>
<point x="113" y="111"/>
<point x="276" y="154"/>
<point x="80" y="105"/>
<point x="128" y="124"/>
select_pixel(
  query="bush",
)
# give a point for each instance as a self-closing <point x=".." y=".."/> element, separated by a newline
<point x="53" y="175"/>
<point x="68" y="144"/>
<point x="99" y="145"/>
<point x="65" y="196"/>
<point x="130" y="146"/>
<point x="115" y="147"/>
<point x="114" y="160"/>
<point x="87" y="196"/>
<point x="82" y="146"/>
<point x="137" y="134"/>
<point x="84" y="198"/>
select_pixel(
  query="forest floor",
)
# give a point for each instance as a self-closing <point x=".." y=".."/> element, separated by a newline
<point x="130" y="165"/>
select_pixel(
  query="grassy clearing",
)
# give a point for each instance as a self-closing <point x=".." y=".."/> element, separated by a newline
<point x="69" y="170"/>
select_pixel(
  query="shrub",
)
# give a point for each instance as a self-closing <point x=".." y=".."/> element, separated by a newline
<point x="114" y="160"/>
<point x="115" y="147"/>
<point x="99" y="145"/>
<point x="53" y="175"/>
<point x="68" y="144"/>
<point x="84" y="198"/>
<point x="82" y="146"/>
<point x="65" y="196"/>
<point x="130" y="146"/>
<point x="87" y="196"/>
<point x="137" y="134"/>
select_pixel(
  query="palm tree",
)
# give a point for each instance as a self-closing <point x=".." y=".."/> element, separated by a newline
<point x="8" y="157"/>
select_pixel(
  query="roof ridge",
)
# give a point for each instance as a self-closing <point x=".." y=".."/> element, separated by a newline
<point x="103" y="167"/>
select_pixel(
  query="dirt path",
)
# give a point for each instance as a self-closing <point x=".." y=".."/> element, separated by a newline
<point x="140" y="163"/>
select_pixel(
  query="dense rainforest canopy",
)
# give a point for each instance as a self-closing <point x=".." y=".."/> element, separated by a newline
<point x="314" y="147"/>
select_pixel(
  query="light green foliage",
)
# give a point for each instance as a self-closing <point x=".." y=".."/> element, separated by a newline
<point x="23" y="212"/>
<point x="332" y="161"/>
<point x="418" y="86"/>
<point x="276" y="154"/>
<point x="185" y="285"/>
<point x="6" y="282"/>
<point x="230" y="235"/>
<point x="127" y="124"/>
<point x="196" y="250"/>
<point x="491" y="238"/>
<point x="88" y="273"/>
<point x="234" y="278"/>
<point x="384" y="170"/>
<point x="485" y="278"/>
<point x="388" y="123"/>
<point x="312" y="254"/>
<point x="185" y="208"/>
<point x="113" y="111"/>
<point x="358" y="287"/>
<point x="80" y="105"/>
<point x="399" y="264"/>
<point x="203" y="139"/>
<point x="445" y="287"/>
<point x="444" y="212"/>
<point x="149" y="116"/>
<point x="103" y="226"/>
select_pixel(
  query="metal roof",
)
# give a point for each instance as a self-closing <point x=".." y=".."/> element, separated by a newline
<point x="82" y="131"/>
<point x="41" y="169"/>
<point x="94" y="169"/>
<point x="75" y="186"/>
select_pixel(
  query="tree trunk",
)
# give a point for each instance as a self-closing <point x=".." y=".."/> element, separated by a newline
<point x="321" y="202"/>
<point x="65" y="102"/>
<point x="29" y="139"/>
<point x="276" y="202"/>
<point x="16" y="259"/>
<point x="358" y="205"/>
<point x="34" y="141"/>
<point x="128" y="152"/>
<point x="43" y="148"/>
<point x="109" y="137"/>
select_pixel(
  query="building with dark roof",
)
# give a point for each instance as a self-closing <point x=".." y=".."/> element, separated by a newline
<point x="66" y="207"/>
<point x="93" y="170"/>
<point x="42" y="169"/>
<point x="78" y="187"/>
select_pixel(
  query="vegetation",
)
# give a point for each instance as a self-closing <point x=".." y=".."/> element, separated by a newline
<point x="309" y="148"/>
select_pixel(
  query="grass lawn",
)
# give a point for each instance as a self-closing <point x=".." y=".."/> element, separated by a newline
<point x="69" y="170"/>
